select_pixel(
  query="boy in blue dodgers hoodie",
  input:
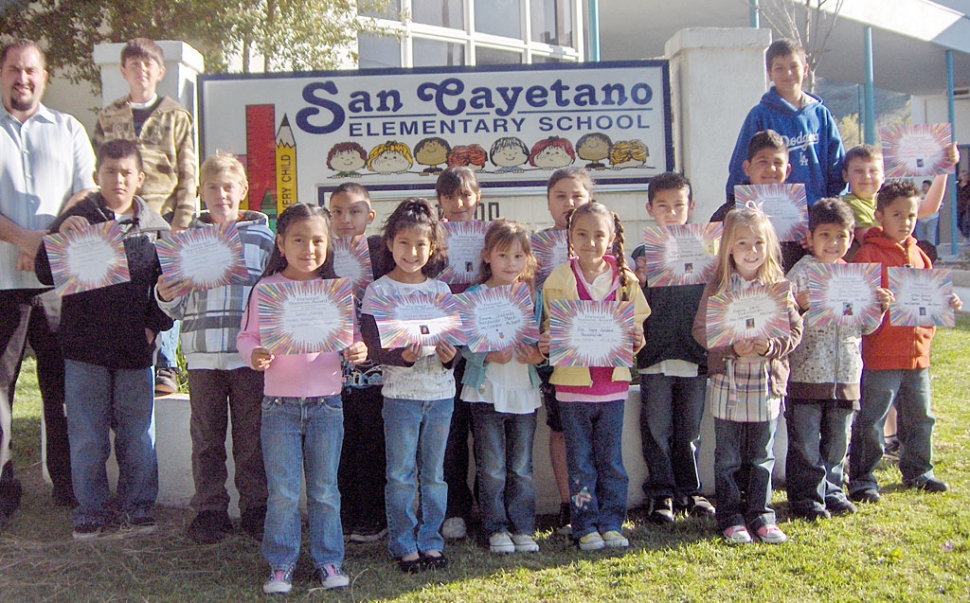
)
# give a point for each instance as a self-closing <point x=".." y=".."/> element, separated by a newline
<point x="823" y="387"/>
<point x="108" y="338"/>
<point x="221" y="384"/>
<point x="673" y="372"/>
<point x="814" y="145"/>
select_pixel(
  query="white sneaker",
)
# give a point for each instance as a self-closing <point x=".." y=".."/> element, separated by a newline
<point x="454" y="528"/>
<point x="615" y="540"/>
<point x="332" y="577"/>
<point x="591" y="542"/>
<point x="524" y="543"/>
<point x="279" y="583"/>
<point x="737" y="535"/>
<point x="501" y="542"/>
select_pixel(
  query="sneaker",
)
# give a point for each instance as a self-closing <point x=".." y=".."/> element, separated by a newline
<point x="809" y="513"/>
<point x="930" y="484"/>
<point x="209" y="527"/>
<point x="698" y="506"/>
<point x="280" y="582"/>
<point x="737" y="535"/>
<point x="140" y="524"/>
<point x="252" y="521"/>
<point x="501" y="542"/>
<point x="615" y="540"/>
<point x="454" y="528"/>
<point x="166" y="381"/>
<point x="661" y="510"/>
<point x="840" y="506"/>
<point x="524" y="543"/>
<point x="867" y="495"/>
<point x="331" y="576"/>
<point x="591" y="542"/>
<point x="771" y="534"/>
<point x="564" y="520"/>
<point x="87" y="530"/>
<point x="368" y="533"/>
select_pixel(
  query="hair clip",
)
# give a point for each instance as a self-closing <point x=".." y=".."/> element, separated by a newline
<point x="755" y="207"/>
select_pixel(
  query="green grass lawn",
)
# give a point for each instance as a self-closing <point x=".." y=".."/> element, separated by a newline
<point x="910" y="547"/>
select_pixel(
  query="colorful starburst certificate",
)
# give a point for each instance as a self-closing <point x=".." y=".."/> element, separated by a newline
<point x="495" y="318"/>
<point x="844" y="295"/>
<point x="756" y="312"/>
<point x="417" y="318"/>
<point x="88" y="258"/>
<point x="589" y="333"/>
<point x="681" y="255"/>
<point x="352" y="260"/>
<point x="305" y="317"/>
<point x="785" y="205"/>
<point x="550" y="248"/>
<point x="915" y="150"/>
<point x="204" y="258"/>
<point x="465" y="243"/>
<point x="922" y="297"/>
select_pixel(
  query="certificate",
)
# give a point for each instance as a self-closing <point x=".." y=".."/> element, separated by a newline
<point x="589" y="333"/>
<point x="420" y="318"/>
<point x="495" y="318"/>
<point x="465" y="243"/>
<point x="306" y="316"/>
<point x="352" y="261"/>
<point x="550" y="248"/>
<point x="916" y="150"/>
<point x="89" y="258"/>
<point x="681" y="255"/>
<point x="204" y="258"/>
<point x="922" y="297"/>
<point x="785" y="205"/>
<point x="759" y="311"/>
<point x="843" y="295"/>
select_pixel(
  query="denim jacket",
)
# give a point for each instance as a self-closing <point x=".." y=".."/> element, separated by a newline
<point x="475" y="367"/>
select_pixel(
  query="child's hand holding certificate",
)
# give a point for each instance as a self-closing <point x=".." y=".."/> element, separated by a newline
<point x="420" y="318"/>
<point x="307" y="316"/>
<point x="681" y="255"/>
<point x="204" y="258"/>
<point x="923" y="297"/>
<point x="87" y="258"/>
<point x="844" y="294"/>
<point x="465" y="242"/>
<point x="588" y="333"/>
<point x="916" y="150"/>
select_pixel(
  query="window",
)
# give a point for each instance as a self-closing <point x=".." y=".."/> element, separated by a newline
<point x="494" y="56"/>
<point x="552" y="22"/>
<point x="378" y="51"/>
<point x="434" y="53"/>
<point x="499" y="18"/>
<point x="443" y="13"/>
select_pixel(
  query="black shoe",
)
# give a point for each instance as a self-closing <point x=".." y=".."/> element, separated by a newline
<point x="563" y="521"/>
<point x="411" y="566"/>
<point x="438" y="562"/>
<point x="63" y="496"/>
<point x="87" y="531"/>
<point x="661" y="510"/>
<point x="698" y="506"/>
<point x="138" y="524"/>
<point x="868" y="495"/>
<point x="10" y="495"/>
<point x="209" y="527"/>
<point x="930" y="484"/>
<point x="809" y="513"/>
<point x="840" y="506"/>
<point x="166" y="381"/>
<point x="252" y="522"/>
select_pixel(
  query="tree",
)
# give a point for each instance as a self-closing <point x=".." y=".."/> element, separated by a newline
<point x="288" y="34"/>
<point x="810" y="22"/>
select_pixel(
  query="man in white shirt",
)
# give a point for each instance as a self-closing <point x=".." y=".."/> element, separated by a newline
<point x="45" y="158"/>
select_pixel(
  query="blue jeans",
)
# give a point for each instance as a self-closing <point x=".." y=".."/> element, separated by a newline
<point x="910" y="391"/>
<point x="168" y="343"/>
<point x="594" y="458"/>
<point x="671" y="409"/>
<point x="302" y="436"/>
<point x="100" y="399"/>
<point x="928" y="229"/>
<point x="503" y="460"/>
<point x="818" y="435"/>
<point x="745" y="446"/>
<point x="415" y="434"/>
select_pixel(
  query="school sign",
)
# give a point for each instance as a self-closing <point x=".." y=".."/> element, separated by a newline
<point x="302" y="134"/>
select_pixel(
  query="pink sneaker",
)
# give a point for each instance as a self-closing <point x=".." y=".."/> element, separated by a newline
<point x="737" y="535"/>
<point x="771" y="534"/>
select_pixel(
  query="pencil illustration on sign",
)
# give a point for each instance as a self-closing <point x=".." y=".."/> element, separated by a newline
<point x="285" y="166"/>
<point x="260" y="154"/>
